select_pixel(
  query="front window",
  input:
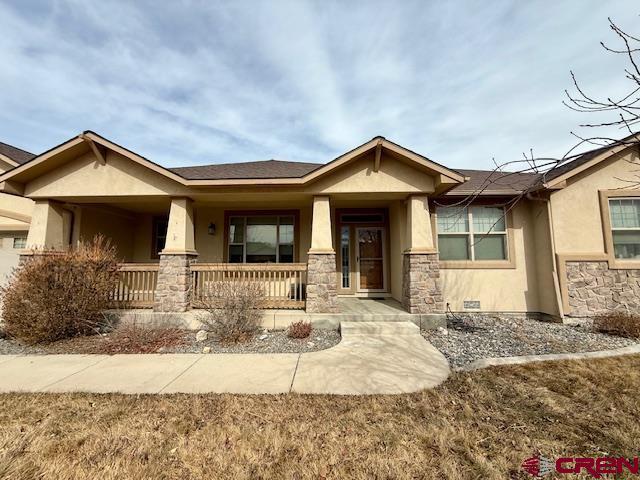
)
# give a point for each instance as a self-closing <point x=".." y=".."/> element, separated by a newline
<point x="261" y="239"/>
<point x="160" y="225"/>
<point x="19" y="242"/>
<point x="472" y="233"/>
<point x="625" y="226"/>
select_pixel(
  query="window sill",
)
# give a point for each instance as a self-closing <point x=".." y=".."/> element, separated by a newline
<point x="477" y="264"/>
<point x="624" y="264"/>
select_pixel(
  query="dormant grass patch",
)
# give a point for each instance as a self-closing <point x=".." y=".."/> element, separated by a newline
<point x="481" y="424"/>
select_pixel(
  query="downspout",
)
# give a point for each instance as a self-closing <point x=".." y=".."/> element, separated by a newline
<point x="554" y="272"/>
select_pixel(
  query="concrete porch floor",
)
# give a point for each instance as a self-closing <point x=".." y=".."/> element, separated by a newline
<point x="358" y="309"/>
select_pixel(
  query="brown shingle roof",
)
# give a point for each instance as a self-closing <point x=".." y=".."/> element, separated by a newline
<point x="587" y="156"/>
<point x="16" y="154"/>
<point x="490" y="182"/>
<point x="247" y="170"/>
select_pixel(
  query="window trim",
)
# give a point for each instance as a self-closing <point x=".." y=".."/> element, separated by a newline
<point x="263" y="213"/>
<point x="508" y="263"/>
<point x="607" y="230"/>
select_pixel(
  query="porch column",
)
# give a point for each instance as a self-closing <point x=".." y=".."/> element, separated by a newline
<point x="174" y="273"/>
<point x="322" y="296"/>
<point x="421" y="288"/>
<point x="49" y="224"/>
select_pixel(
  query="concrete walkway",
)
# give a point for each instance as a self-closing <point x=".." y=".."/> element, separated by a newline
<point x="372" y="358"/>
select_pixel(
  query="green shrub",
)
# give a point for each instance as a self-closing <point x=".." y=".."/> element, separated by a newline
<point x="55" y="295"/>
<point x="617" y="323"/>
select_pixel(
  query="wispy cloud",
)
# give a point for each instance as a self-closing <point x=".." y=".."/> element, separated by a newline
<point x="201" y="82"/>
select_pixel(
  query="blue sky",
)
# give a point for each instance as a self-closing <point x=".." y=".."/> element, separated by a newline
<point x="206" y="82"/>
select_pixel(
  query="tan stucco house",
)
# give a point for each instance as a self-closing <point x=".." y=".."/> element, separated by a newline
<point x="15" y="211"/>
<point x="377" y="221"/>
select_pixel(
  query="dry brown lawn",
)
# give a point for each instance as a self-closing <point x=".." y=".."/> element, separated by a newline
<point x="477" y="425"/>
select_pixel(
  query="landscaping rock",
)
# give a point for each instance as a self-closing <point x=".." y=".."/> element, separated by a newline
<point x="201" y="336"/>
<point x="206" y="350"/>
<point x="263" y="337"/>
<point x="476" y="336"/>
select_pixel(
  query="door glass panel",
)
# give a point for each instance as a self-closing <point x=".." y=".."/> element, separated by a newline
<point x="344" y="253"/>
<point x="370" y="250"/>
<point x="370" y="241"/>
<point x="371" y="274"/>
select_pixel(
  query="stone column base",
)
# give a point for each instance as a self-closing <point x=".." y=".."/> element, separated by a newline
<point x="322" y="290"/>
<point x="421" y="289"/>
<point x="173" y="290"/>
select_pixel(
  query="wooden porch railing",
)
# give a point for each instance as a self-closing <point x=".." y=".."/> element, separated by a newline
<point x="136" y="285"/>
<point x="284" y="283"/>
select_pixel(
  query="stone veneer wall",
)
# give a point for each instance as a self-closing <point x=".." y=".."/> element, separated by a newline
<point x="421" y="288"/>
<point x="322" y="290"/>
<point x="594" y="289"/>
<point x="174" y="283"/>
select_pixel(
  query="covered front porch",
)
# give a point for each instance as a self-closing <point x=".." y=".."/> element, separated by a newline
<point x="306" y="251"/>
<point x="310" y="234"/>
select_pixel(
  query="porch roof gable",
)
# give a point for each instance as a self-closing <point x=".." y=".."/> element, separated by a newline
<point x="268" y="173"/>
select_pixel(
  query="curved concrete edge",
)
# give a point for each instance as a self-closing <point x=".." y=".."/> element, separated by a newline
<point x="372" y="365"/>
<point x="524" y="359"/>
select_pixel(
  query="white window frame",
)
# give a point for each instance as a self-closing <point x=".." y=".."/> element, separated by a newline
<point x="244" y="236"/>
<point x="471" y="234"/>
<point x="620" y="229"/>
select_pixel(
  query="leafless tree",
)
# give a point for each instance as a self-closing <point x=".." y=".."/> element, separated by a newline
<point x="623" y="112"/>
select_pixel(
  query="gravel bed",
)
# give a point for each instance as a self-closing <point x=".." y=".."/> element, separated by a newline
<point x="275" y="341"/>
<point x="492" y="336"/>
<point x="11" y="347"/>
<point x="265" y="342"/>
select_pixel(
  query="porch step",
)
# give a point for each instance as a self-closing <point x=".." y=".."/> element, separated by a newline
<point x="378" y="328"/>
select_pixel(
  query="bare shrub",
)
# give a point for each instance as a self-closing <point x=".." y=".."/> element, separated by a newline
<point x="299" y="329"/>
<point x="618" y="323"/>
<point x="124" y="339"/>
<point x="56" y="295"/>
<point x="233" y="310"/>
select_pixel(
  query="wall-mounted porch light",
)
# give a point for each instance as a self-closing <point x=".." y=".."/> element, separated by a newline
<point x="212" y="228"/>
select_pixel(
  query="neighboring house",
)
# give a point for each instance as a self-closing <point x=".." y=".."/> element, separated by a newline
<point x="378" y="221"/>
<point x="15" y="212"/>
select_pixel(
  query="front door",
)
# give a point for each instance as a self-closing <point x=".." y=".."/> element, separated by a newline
<point x="370" y="259"/>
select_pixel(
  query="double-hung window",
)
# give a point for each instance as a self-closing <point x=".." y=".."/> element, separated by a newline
<point x="625" y="226"/>
<point x="472" y="233"/>
<point x="261" y="239"/>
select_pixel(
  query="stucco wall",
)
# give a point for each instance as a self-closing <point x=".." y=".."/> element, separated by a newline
<point x="579" y="233"/>
<point x="120" y="228"/>
<point x="500" y="289"/>
<point x="577" y="222"/>
<point x="397" y="232"/>
<point x="85" y="176"/>
<point x="359" y="177"/>
<point x="548" y="289"/>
